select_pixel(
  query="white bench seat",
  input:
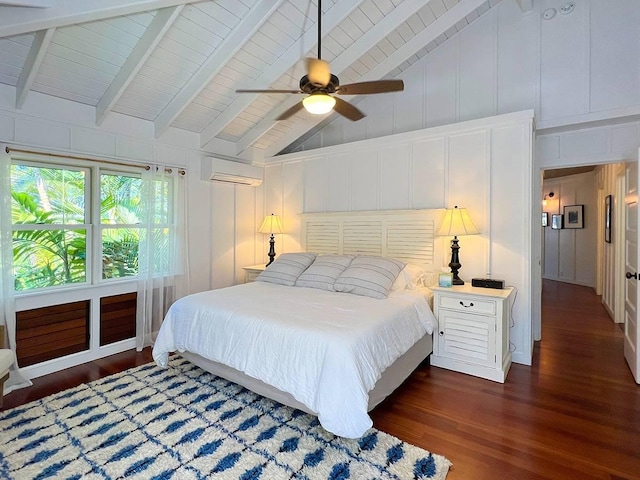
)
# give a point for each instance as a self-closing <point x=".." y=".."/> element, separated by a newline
<point x="7" y="357"/>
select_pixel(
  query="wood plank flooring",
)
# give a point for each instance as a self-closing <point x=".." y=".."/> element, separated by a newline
<point x="574" y="414"/>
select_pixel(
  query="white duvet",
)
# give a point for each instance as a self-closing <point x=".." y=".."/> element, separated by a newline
<point x="326" y="349"/>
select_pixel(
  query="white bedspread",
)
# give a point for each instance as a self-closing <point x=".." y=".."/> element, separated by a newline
<point x="326" y="349"/>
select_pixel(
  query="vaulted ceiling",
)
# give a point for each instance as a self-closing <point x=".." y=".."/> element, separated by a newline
<point x="178" y="63"/>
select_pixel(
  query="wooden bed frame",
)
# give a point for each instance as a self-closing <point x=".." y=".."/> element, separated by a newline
<point x="406" y="235"/>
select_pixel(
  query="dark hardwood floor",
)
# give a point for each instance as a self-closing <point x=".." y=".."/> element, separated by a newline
<point x="574" y="414"/>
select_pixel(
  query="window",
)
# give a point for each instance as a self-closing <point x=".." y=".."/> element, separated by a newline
<point x="58" y="210"/>
<point x="50" y="225"/>
<point x="120" y="224"/>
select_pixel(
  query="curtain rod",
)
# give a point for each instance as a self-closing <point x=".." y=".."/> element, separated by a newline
<point x="9" y="149"/>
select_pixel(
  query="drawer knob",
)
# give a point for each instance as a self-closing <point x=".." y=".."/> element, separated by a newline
<point x="442" y="334"/>
<point x="466" y="306"/>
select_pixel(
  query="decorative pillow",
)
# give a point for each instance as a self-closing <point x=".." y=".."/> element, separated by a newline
<point x="324" y="271"/>
<point x="287" y="268"/>
<point x="369" y="276"/>
<point x="410" y="278"/>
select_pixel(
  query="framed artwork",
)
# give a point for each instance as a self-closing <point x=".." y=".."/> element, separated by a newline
<point x="556" y="221"/>
<point x="545" y="219"/>
<point x="574" y="216"/>
<point x="607" y="218"/>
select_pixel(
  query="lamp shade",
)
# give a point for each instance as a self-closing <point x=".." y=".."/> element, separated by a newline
<point x="319" y="103"/>
<point x="457" y="222"/>
<point x="271" y="224"/>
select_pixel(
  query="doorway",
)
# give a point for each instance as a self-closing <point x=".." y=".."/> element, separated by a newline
<point x="587" y="257"/>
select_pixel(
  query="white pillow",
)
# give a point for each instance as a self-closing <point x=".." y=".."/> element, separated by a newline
<point x="286" y="269"/>
<point x="324" y="271"/>
<point x="410" y="278"/>
<point x="369" y="276"/>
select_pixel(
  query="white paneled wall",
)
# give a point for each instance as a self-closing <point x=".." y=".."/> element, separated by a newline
<point x="236" y="213"/>
<point x="571" y="69"/>
<point x="588" y="146"/>
<point x="484" y="165"/>
<point x="570" y="254"/>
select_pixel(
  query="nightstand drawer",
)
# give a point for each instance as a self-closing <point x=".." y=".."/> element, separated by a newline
<point x="471" y="305"/>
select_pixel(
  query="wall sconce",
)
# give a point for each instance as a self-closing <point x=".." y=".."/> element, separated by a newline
<point x="544" y="200"/>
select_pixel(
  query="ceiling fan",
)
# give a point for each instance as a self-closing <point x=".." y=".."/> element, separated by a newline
<point x="319" y="84"/>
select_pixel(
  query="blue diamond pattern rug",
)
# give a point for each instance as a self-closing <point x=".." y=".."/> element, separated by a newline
<point x="184" y="423"/>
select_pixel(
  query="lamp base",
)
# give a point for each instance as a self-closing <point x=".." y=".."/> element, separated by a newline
<point x="272" y="250"/>
<point x="455" y="264"/>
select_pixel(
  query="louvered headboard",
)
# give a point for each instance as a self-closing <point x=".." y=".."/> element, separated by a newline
<point x="406" y="235"/>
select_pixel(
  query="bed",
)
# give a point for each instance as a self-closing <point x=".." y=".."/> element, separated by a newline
<point x="333" y="354"/>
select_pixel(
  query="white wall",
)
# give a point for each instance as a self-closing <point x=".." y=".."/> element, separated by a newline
<point x="570" y="255"/>
<point x="483" y="165"/>
<point x="571" y="69"/>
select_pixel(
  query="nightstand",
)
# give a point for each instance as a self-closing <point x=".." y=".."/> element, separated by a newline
<point x="473" y="330"/>
<point x="250" y="273"/>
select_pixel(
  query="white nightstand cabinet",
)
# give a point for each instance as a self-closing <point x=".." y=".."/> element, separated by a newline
<point x="250" y="273"/>
<point x="473" y="330"/>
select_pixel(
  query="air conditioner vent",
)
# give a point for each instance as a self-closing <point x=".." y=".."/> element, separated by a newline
<point x="218" y="170"/>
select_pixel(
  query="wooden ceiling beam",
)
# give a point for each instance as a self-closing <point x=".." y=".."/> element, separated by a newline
<point x="233" y="42"/>
<point x="32" y="64"/>
<point x="28" y="3"/>
<point x="17" y="20"/>
<point x="332" y="18"/>
<point x="152" y="36"/>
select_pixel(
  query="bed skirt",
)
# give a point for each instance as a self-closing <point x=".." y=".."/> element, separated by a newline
<point x="391" y="378"/>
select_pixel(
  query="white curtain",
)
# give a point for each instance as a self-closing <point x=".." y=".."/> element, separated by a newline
<point x="162" y="260"/>
<point x="7" y="298"/>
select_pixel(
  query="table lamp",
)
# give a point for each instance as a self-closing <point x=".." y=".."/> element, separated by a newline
<point x="456" y="222"/>
<point x="271" y="224"/>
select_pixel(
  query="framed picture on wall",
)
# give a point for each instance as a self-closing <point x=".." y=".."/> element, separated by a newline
<point x="607" y="218"/>
<point x="545" y="219"/>
<point x="556" y="221"/>
<point x="574" y="216"/>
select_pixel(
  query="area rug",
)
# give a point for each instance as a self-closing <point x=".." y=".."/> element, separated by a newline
<point x="183" y="423"/>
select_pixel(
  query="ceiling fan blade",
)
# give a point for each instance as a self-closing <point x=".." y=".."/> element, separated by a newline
<point x="290" y="111"/>
<point x="318" y="72"/>
<point x="267" y="91"/>
<point x="364" y="88"/>
<point x="347" y="110"/>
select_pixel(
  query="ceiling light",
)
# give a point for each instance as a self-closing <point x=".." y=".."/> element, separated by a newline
<point x="319" y="103"/>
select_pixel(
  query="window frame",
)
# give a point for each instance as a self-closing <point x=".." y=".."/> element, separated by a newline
<point x="93" y="221"/>
<point x="86" y="226"/>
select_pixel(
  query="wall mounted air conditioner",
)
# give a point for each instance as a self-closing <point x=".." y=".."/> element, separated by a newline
<point x="219" y="170"/>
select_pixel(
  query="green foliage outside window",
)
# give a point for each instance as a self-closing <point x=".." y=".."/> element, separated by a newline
<point x="51" y="218"/>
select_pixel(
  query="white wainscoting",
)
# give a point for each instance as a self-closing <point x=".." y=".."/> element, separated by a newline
<point x="484" y="165"/>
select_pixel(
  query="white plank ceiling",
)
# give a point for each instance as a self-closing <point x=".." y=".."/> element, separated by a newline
<point x="178" y="63"/>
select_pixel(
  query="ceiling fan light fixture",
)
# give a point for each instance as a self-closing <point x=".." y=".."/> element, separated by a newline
<point x="319" y="103"/>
